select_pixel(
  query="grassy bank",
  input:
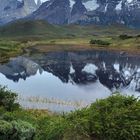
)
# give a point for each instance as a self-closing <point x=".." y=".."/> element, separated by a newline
<point x="114" y="118"/>
<point x="115" y="43"/>
<point x="9" y="47"/>
<point x="21" y="34"/>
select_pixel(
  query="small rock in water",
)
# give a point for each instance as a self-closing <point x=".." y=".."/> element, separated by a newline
<point x="122" y="53"/>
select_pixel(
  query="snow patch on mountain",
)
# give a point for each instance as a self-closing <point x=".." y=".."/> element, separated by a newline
<point x="90" y="68"/>
<point x="103" y="12"/>
<point x="71" y="69"/>
<point x="72" y="3"/>
<point x="41" y="1"/>
<point x="117" y="67"/>
<point x="129" y="1"/>
<point x="91" y="5"/>
<point x="119" y="6"/>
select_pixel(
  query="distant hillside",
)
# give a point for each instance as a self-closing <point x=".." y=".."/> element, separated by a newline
<point x="42" y="29"/>
<point x="24" y="28"/>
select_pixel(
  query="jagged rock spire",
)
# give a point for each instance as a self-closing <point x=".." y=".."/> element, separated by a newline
<point x="15" y="9"/>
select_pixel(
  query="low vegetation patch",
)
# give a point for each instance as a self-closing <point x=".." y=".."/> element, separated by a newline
<point x="114" y="118"/>
<point x="100" y="42"/>
<point x="9" y="48"/>
<point x="125" y="36"/>
<point x="40" y="100"/>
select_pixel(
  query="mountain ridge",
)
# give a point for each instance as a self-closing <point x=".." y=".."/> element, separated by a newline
<point x="126" y="12"/>
<point x="83" y="12"/>
<point x="43" y="29"/>
<point x="11" y="10"/>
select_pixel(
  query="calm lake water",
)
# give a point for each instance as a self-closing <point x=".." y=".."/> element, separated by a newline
<point x="64" y="81"/>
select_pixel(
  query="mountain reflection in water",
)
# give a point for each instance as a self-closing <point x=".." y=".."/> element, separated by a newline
<point x="80" y="75"/>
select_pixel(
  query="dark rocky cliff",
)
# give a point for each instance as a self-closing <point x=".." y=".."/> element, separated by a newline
<point x="104" y="12"/>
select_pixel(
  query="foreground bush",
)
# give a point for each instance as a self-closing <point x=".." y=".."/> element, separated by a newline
<point x="52" y="128"/>
<point x="12" y="128"/>
<point x="8" y="99"/>
<point x="16" y="130"/>
<point x="6" y="130"/>
<point x="114" y="118"/>
<point x="23" y="130"/>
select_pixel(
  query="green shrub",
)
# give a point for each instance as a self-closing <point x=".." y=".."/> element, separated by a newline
<point x="8" y="99"/>
<point x="100" y="42"/>
<point x="23" y="130"/>
<point x="51" y="128"/>
<point x="124" y="36"/>
<point x="16" y="130"/>
<point x="114" y="118"/>
<point x="6" y="130"/>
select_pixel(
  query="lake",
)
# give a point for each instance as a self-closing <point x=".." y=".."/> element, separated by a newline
<point x="68" y="80"/>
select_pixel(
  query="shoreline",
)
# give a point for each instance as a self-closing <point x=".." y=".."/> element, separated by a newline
<point x="81" y="47"/>
<point x="78" y="44"/>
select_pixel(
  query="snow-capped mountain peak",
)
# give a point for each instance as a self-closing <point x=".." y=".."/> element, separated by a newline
<point x="73" y="11"/>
